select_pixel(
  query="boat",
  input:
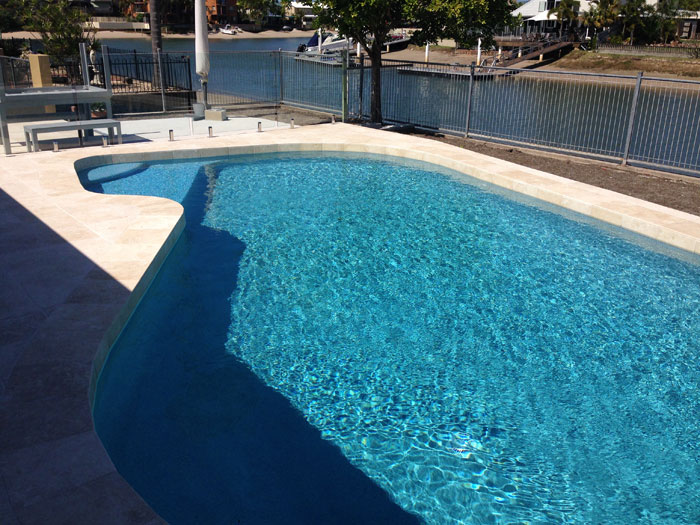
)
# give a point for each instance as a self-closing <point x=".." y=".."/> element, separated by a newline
<point x="331" y="59"/>
<point x="332" y="43"/>
<point x="228" y="30"/>
<point x="397" y="42"/>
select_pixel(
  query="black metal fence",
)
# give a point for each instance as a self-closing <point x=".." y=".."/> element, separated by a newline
<point x="16" y="72"/>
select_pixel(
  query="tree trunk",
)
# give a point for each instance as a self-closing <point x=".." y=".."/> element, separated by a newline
<point x="376" y="105"/>
<point x="154" y="22"/>
<point x="156" y="38"/>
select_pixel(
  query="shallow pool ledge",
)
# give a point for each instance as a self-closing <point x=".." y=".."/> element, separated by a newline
<point x="108" y="249"/>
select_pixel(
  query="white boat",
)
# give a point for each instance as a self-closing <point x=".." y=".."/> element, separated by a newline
<point x="331" y="59"/>
<point x="331" y="44"/>
<point x="228" y="30"/>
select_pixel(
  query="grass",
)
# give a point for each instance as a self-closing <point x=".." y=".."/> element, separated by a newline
<point x="626" y="64"/>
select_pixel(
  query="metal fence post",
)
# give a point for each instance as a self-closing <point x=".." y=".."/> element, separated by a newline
<point x="344" y="104"/>
<point x="136" y="66"/>
<point x="281" y="66"/>
<point x="84" y="64"/>
<point x="4" y="133"/>
<point x="160" y="75"/>
<point x="469" y="100"/>
<point x="188" y="68"/>
<point x="107" y="74"/>
<point x="633" y="111"/>
<point x="107" y="69"/>
<point x="362" y="83"/>
<point x="14" y="79"/>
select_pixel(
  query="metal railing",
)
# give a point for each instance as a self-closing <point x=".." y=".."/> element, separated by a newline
<point x="312" y="82"/>
<point x="145" y="73"/>
<point x="66" y="73"/>
<point x="649" y="121"/>
<point x="632" y="119"/>
<point x="242" y="77"/>
<point x="15" y="72"/>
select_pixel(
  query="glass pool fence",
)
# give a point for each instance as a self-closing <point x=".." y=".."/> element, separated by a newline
<point x="637" y="119"/>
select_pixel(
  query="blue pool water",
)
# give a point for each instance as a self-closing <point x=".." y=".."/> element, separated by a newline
<point x="337" y="339"/>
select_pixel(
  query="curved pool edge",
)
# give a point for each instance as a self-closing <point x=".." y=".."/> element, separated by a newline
<point x="640" y="217"/>
<point x="45" y="184"/>
<point x="122" y="318"/>
<point x="669" y="226"/>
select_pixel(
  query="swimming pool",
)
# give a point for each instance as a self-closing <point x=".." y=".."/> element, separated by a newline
<point x="328" y="324"/>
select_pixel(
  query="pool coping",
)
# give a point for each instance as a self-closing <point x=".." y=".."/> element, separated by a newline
<point x="128" y="237"/>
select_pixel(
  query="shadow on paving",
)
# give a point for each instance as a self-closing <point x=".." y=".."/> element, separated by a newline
<point x="194" y="430"/>
<point x="55" y="305"/>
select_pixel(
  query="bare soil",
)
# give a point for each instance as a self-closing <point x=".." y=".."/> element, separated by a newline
<point x="674" y="191"/>
<point x="666" y="67"/>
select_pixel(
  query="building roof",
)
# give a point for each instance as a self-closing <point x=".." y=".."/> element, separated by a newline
<point x="528" y="10"/>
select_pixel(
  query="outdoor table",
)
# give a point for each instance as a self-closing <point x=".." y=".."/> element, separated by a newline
<point x="40" y="97"/>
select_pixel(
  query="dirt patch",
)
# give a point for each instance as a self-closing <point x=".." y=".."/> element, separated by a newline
<point x="666" y="67"/>
<point x="674" y="191"/>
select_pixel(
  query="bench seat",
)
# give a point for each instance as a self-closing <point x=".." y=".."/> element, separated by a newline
<point x="31" y="131"/>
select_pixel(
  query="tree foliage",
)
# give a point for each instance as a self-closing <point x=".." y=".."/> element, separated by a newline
<point x="10" y="19"/>
<point x="464" y="21"/>
<point x="565" y="11"/>
<point x="370" y="23"/>
<point x="638" y="16"/>
<point x="61" y="26"/>
<point x="258" y="9"/>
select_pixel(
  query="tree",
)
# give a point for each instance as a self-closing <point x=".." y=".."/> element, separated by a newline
<point x="464" y="21"/>
<point x="62" y="27"/>
<point x="634" y="15"/>
<point x="258" y="9"/>
<point x="608" y="11"/>
<point x="370" y="22"/>
<point x="666" y="15"/>
<point x="591" y="18"/>
<point x="565" y="11"/>
<point x="154" y="19"/>
<point x="9" y="17"/>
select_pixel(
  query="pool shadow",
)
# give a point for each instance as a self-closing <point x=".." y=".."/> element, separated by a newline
<point x="211" y="442"/>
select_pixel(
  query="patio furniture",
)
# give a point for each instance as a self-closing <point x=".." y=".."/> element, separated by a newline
<point x="31" y="131"/>
<point x="40" y="97"/>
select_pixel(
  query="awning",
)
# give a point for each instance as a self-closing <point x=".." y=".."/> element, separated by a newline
<point x="542" y="17"/>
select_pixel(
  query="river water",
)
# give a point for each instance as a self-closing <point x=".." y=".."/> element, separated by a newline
<point x="186" y="45"/>
<point x="587" y="114"/>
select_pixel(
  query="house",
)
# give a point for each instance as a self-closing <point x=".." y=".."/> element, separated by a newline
<point x="536" y="18"/>
<point x="303" y="12"/>
<point x="221" y="12"/>
<point x="688" y="22"/>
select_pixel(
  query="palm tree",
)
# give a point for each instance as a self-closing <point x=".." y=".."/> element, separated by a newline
<point x="633" y="15"/>
<point x="565" y="10"/>
<point x="156" y="37"/>
<point x="609" y="11"/>
<point x="592" y="17"/>
<point x="154" y="23"/>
